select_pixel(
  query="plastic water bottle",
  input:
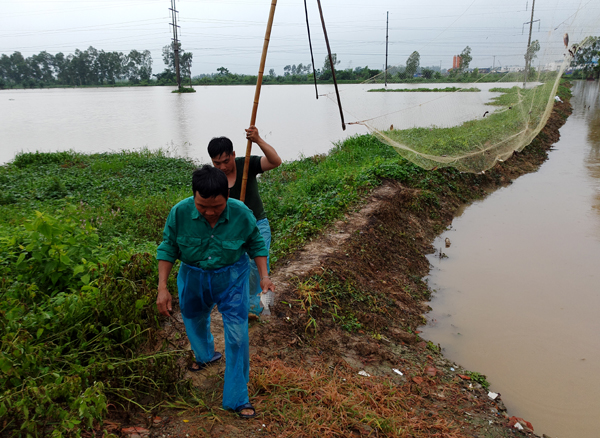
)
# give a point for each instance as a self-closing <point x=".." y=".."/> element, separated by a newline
<point x="267" y="299"/>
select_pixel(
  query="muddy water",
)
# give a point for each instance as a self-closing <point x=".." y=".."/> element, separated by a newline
<point x="289" y="117"/>
<point x="518" y="297"/>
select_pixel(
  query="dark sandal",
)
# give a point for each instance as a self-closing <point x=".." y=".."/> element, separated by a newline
<point x="201" y="365"/>
<point x="239" y="410"/>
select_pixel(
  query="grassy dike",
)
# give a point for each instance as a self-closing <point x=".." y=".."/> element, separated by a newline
<point x="77" y="291"/>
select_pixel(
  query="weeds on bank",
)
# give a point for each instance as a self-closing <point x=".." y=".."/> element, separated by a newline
<point x="425" y="90"/>
<point x="332" y="401"/>
<point x="73" y="315"/>
<point x="327" y="296"/>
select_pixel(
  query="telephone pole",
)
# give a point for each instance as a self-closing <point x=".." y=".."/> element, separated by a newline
<point x="175" y="42"/>
<point x="527" y="56"/>
<point x="387" y="21"/>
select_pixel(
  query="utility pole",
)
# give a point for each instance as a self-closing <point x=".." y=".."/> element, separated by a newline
<point x="494" y="66"/>
<point x="386" y="46"/>
<point x="527" y="60"/>
<point x="175" y="42"/>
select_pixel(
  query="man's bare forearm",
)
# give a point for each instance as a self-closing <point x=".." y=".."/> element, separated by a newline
<point x="164" y="270"/>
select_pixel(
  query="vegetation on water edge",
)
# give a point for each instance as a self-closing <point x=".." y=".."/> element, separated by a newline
<point x="520" y="108"/>
<point x="77" y="240"/>
<point x="184" y="90"/>
<point x="434" y="90"/>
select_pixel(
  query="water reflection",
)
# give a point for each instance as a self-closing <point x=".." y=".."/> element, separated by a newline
<point x="590" y="92"/>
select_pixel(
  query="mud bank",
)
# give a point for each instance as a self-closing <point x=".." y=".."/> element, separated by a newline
<point x="351" y="301"/>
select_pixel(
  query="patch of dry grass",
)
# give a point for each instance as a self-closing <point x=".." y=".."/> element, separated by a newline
<point x="324" y="401"/>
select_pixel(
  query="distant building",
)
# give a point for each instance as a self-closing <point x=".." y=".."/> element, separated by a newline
<point x="456" y="62"/>
<point x="552" y="66"/>
<point x="511" y="68"/>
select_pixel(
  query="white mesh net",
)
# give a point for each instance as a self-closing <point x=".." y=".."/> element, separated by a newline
<point x="479" y="116"/>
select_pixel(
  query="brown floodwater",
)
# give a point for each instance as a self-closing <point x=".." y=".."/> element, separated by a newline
<point x="518" y="296"/>
<point x="289" y="117"/>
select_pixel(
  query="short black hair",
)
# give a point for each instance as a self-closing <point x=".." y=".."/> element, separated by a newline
<point x="210" y="182"/>
<point x="218" y="146"/>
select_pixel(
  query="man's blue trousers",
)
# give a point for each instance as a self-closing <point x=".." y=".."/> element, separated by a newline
<point x="227" y="288"/>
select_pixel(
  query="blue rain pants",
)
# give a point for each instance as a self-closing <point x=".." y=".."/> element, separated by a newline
<point x="255" y="290"/>
<point x="199" y="291"/>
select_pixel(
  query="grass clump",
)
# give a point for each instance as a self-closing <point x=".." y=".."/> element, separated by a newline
<point x="425" y="90"/>
<point x="333" y="401"/>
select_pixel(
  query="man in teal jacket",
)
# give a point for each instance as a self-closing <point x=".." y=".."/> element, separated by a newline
<point x="213" y="236"/>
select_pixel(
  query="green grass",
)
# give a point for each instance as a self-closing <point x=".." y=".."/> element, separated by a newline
<point x="424" y="90"/>
<point x="519" y="109"/>
<point x="123" y="194"/>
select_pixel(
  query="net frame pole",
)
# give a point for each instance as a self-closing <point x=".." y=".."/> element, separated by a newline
<point x="337" y="93"/>
<point x="261" y="70"/>
<point x="312" y="59"/>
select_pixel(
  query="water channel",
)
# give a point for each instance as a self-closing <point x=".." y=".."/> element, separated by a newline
<point x="517" y="298"/>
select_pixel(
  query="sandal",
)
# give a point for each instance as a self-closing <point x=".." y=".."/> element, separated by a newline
<point x="239" y="410"/>
<point x="201" y="365"/>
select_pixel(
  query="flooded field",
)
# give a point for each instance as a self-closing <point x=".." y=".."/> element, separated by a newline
<point x="289" y="117"/>
<point x="517" y="297"/>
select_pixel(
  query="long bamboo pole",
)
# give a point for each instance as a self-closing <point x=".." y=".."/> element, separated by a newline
<point x="261" y="70"/>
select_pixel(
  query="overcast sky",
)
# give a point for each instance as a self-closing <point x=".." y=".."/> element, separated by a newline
<point x="230" y="33"/>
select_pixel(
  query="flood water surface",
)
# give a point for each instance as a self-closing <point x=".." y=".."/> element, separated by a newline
<point x="289" y="117"/>
<point x="518" y="296"/>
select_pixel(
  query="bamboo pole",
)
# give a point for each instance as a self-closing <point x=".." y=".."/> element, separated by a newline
<point x="261" y="70"/>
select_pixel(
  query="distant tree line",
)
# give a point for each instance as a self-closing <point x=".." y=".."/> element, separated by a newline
<point x="95" y="68"/>
<point x="88" y="67"/>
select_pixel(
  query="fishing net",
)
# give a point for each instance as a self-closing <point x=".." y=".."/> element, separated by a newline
<point x="479" y="116"/>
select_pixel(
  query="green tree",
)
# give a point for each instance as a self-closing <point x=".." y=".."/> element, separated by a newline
<point x="532" y="50"/>
<point x="138" y="66"/>
<point x="169" y="55"/>
<point x="223" y="71"/>
<point x="327" y="64"/>
<point x="60" y="68"/>
<point x="465" y="59"/>
<point x="427" y="73"/>
<point x="587" y="57"/>
<point x="185" y="64"/>
<point x="412" y="64"/>
<point x="40" y="67"/>
<point x="19" y="70"/>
